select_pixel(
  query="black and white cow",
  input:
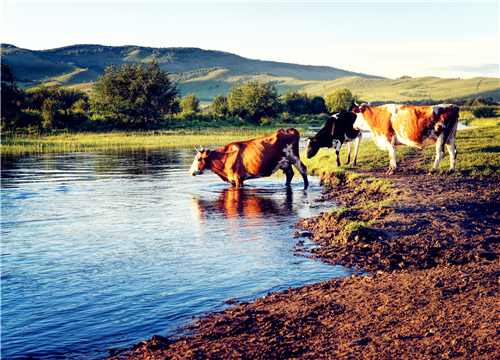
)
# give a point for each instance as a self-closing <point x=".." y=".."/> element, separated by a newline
<point x="337" y="130"/>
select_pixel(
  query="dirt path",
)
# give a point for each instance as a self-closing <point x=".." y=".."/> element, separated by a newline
<point x="433" y="291"/>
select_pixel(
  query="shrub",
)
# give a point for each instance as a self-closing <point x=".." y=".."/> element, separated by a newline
<point x="484" y="111"/>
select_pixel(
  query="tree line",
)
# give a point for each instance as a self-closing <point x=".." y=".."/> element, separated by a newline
<point x="143" y="97"/>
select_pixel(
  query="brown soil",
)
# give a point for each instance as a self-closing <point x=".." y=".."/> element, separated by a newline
<point x="433" y="289"/>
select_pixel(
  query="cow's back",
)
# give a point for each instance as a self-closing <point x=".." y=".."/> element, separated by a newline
<point x="422" y="125"/>
<point x="343" y="126"/>
<point x="262" y="155"/>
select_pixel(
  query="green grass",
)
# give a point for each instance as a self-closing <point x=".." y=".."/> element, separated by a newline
<point x="369" y="157"/>
<point x="116" y="140"/>
<point x="397" y="90"/>
<point x="484" y="122"/>
<point x="478" y="154"/>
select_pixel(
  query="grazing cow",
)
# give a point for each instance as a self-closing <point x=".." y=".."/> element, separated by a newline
<point x="420" y="126"/>
<point x="337" y="130"/>
<point x="240" y="161"/>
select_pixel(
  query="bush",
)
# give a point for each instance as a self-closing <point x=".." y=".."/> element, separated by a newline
<point x="484" y="111"/>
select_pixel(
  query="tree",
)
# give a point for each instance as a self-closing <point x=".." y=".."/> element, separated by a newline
<point x="479" y="101"/>
<point x="296" y="103"/>
<point x="12" y="98"/>
<point x="254" y="100"/>
<point x="338" y="100"/>
<point x="66" y="97"/>
<point x="220" y="105"/>
<point x="50" y="110"/>
<point x="134" y="94"/>
<point x="318" y="105"/>
<point x="190" y="104"/>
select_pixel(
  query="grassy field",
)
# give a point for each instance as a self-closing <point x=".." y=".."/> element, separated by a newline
<point x="478" y="154"/>
<point x="158" y="140"/>
<point x="478" y="148"/>
<point x="397" y="90"/>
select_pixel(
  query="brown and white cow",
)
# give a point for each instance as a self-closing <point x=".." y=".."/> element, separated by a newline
<point x="393" y="125"/>
<point x="240" y="161"/>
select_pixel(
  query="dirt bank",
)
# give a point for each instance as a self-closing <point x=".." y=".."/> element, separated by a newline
<point x="433" y="292"/>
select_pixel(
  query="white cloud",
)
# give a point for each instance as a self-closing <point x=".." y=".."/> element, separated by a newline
<point x="469" y="56"/>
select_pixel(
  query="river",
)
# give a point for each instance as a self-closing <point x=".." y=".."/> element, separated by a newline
<point x="101" y="250"/>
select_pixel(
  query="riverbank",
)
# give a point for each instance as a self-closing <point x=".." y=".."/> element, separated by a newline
<point x="431" y="245"/>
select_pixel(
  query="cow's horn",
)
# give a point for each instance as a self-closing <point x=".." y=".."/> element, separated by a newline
<point x="201" y="147"/>
<point x="355" y="103"/>
<point x="197" y="149"/>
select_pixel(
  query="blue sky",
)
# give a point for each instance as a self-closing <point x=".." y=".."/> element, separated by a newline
<point x="443" y="39"/>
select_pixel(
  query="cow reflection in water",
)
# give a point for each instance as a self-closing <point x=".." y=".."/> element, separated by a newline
<point x="247" y="204"/>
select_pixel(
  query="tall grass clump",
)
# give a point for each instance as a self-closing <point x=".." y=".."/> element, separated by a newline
<point x="117" y="140"/>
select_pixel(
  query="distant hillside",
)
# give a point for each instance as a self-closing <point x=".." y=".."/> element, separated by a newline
<point x="209" y="73"/>
<point x="97" y="57"/>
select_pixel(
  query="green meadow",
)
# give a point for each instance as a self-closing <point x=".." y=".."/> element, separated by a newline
<point x="478" y="154"/>
<point x="129" y="140"/>
<point x="478" y="148"/>
<point x="220" y="81"/>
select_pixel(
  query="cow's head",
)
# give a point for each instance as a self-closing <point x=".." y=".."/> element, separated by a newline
<point x="314" y="143"/>
<point x="200" y="162"/>
<point x="312" y="147"/>
<point x="360" y="122"/>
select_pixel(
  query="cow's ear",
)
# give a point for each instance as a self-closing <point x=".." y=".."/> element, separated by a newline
<point x="207" y="152"/>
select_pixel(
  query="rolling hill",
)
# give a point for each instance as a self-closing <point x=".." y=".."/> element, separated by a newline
<point x="209" y="73"/>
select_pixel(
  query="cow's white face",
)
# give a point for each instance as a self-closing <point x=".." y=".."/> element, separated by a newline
<point x="360" y="122"/>
<point x="199" y="163"/>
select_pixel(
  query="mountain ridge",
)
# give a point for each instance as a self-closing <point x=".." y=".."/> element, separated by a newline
<point x="174" y="59"/>
<point x="208" y="73"/>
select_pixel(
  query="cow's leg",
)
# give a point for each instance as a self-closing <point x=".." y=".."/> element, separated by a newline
<point x="238" y="180"/>
<point x="392" y="159"/>
<point x="452" y="150"/>
<point x="294" y="158"/>
<point x="358" y="141"/>
<point x="302" y="170"/>
<point x="439" y="154"/>
<point x="289" y="175"/>
<point x="338" y="145"/>
<point x="349" y="148"/>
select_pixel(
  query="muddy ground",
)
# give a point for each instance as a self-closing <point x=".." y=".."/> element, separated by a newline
<point x="433" y="289"/>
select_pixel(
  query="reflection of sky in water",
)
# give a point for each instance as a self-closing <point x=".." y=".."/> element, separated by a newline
<point x="101" y="250"/>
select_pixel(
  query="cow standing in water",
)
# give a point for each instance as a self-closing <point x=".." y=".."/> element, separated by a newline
<point x="420" y="126"/>
<point x="240" y="161"/>
<point x="337" y="130"/>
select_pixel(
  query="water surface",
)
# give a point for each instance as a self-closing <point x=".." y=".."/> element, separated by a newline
<point x="103" y="249"/>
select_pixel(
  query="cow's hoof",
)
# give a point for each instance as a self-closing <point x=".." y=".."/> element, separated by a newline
<point x="451" y="171"/>
<point x="431" y="172"/>
<point x="390" y="172"/>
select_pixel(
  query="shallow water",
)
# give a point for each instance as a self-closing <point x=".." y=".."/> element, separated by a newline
<point x="101" y="250"/>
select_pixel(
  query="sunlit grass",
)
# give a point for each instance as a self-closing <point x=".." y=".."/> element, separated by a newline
<point x="478" y="153"/>
<point x="121" y="140"/>
<point x="484" y="122"/>
<point x="369" y="157"/>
